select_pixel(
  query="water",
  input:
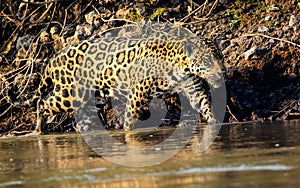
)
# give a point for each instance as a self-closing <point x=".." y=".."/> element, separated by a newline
<point x="250" y="155"/>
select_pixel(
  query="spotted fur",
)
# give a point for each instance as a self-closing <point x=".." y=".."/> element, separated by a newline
<point x="152" y="62"/>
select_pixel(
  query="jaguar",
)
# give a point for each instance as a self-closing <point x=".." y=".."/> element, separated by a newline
<point x="136" y="62"/>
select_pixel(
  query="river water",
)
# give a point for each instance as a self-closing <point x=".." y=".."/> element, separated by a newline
<point x="248" y="155"/>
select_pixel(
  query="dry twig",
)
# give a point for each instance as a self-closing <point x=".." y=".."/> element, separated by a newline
<point x="229" y="111"/>
<point x="274" y="38"/>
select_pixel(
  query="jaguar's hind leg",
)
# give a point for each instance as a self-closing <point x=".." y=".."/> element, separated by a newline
<point x="173" y="105"/>
<point x="137" y="106"/>
<point x="134" y="113"/>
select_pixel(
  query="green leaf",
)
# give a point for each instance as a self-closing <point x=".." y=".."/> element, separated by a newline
<point x="157" y="12"/>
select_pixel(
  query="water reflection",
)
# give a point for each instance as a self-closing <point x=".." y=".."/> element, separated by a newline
<point x="264" y="154"/>
<point x="260" y="135"/>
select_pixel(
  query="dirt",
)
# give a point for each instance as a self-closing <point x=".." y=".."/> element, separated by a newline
<point x="259" y="40"/>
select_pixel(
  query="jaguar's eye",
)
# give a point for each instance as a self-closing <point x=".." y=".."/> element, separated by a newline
<point x="207" y="64"/>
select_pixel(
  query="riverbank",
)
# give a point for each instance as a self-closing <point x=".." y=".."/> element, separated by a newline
<point x="260" y="42"/>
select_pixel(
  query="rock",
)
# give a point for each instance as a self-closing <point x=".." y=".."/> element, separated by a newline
<point x="45" y="36"/>
<point x="293" y="20"/>
<point x="121" y="14"/>
<point x="262" y="29"/>
<point x="24" y="42"/>
<point x="274" y="8"/>
<point x="225" y="1"/>
<point x="90" y="17"/>
<point x="250" y="53"/>
<point x="54" y="31"/>
<point x="268" y="18"/>
<point x="83" y="31"/>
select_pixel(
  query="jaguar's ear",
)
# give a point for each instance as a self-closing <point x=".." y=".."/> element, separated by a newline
<point x="189" y="48"/>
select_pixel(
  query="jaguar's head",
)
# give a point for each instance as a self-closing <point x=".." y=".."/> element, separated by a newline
<point x="204" y="62"/>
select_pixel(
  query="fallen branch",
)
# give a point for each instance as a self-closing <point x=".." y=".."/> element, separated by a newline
<point x="229" y="111"/>
<point x="274" y="38"/>
<point x="203" y="6"/>
<point x="285" y="109"/>
<point x="40" y="3"/>
<point x="10" y="19"/>
<point x="194" y="11"/>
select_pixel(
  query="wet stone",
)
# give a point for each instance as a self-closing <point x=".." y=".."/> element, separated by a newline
<point x="268" y="18"/>
<point x="293" y="21"/>
<point x="249" y="53"/>
<point x="262" y="29"/>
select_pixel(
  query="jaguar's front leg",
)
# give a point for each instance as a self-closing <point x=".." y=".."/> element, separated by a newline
<point x="39" y="121"/>
<point x="199" y="97"/>
<point x="45" y="109"/>
<point x="42" y="114"/>
<point x="129" y="119"/>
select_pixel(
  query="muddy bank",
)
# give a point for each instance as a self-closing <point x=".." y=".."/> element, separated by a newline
<point x="259" y="40"/>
